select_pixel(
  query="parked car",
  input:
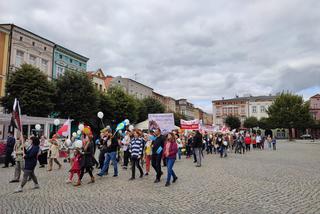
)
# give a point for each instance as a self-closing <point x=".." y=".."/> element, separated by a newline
<point x="306" y="136"/>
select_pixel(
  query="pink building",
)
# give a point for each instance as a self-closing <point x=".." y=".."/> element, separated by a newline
<point x="315" y="106"/>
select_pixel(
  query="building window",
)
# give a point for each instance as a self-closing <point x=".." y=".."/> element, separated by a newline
<point x="70" y="60"/>
<point x="60" y="56"/>
<point x="21" y="38"/>
<point x="118" y="81"/>
<point x="96" y="84"/>
<point x="80" y="63"/>
<point x="60" y="71"/>
<point x="254" y="109"/>
<point x="33" y="60"/>
<point x="262" y="109"/>
<point x="100" y="87"/>
<point x="19" y="58"/>
<point x="33" y="43"/>
<point x="44" y="65"/>
<point x="45" y="48"/>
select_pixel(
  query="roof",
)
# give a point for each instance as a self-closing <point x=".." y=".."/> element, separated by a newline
<point x="250" y="98"/>
<point x="315" y="96"/>
<point x="70" y="52"/>
<point x="134" y="82"/>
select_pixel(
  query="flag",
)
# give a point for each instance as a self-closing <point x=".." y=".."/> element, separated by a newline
<point x="16" y="115"/>
<point x="65" y="129"/>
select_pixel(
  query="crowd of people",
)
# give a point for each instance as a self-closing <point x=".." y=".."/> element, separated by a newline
<point x="141" y="149"/>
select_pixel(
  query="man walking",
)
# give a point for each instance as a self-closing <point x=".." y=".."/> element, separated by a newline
<point x="157" y="150"/>
<point x="197" y="145"/>
<point x="11" y="141"/>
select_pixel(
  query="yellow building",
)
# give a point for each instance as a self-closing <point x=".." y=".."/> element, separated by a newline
<point x="4" y="47"/>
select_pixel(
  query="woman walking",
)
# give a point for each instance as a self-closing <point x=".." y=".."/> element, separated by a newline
<point x="148" y="153"/>
<point x="18" y="149"/>
<point x="42" y="158"/>
<point x="87" y="162"/>
<point x="170" y="153"/>
<point x="136" y="147"/>
<point x="53" y="153"/>
<point x="30" y="158"/>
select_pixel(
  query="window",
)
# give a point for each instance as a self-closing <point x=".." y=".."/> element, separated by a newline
<point x="45" y="48"/>
<point x="80" y="63"/>
<point x="118" y="81"/>
<point x="21" y="38"/>
<point x="100" y="87"/>
<point x="19" y="58"/>
<point x="60" y="56"/>
<point x="96" y="84"/>
<point x="60" y="71"/>
<point x="70" y="60"/>
<point x="33" y="60"/>
<point x="33" y="43"/>
<point x="44" y="65"/>
<point x="254" y="109"/>
<point x="262" y="109"/>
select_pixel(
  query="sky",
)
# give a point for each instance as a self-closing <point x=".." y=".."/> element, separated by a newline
<point x="199" y="50"/>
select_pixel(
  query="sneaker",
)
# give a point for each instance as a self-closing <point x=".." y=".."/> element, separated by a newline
<point x="68" y="181"/>
<point x="19" y="189"/>
<point x="146" y="174"/>
<point x="100" y="175"/>
<point x="5" y="167"/>
<point x="175" y="179"/>
<point x="131" y="179"/>
<point x="36" y="186"/>
<point x="141" y="176"/>
<point x="14" y="181"/>
<point x="115" y="175"/>
<point x="167" y="184"/>
<point x="156" y="181"/>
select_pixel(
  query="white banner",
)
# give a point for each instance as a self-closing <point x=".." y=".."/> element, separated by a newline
<point x="163" y="121"/>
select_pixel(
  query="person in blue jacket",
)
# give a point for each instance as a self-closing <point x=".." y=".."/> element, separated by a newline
<point x="30" y="158"/>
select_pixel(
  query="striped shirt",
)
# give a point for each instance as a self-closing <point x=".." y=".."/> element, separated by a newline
<point x="136" y="146"/>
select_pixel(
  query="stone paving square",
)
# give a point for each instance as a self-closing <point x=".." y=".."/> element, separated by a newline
<point x="282" y="181"/>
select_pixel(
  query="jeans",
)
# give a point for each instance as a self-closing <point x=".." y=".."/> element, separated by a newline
<point x="170" y="163"/>
<point x="179" y="153"/>
<point x="110" y="156"/>
<point x="156" y="164"/>
<point x="198" y="153"/>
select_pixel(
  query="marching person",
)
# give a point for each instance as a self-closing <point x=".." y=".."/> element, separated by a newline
<point x="125" y="147"/>
<point x="136" y="147"/>
<point x="42" y="158"/>
<point x="197" y="145"/>
<point x="18" y="149"/>
<point x="148" y="151"/>
<point x="9" y="149"/>
<point x="157" y="150"/>
<point x="53" y="153"/>
<point x="170" y="152"/>
<point x="30" y="158"/>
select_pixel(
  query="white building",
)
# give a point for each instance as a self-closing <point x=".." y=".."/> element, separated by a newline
<point x="259" y="105"/>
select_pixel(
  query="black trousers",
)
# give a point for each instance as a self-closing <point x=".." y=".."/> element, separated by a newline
<point x="156" y="164"/>
<point x="126" y="156"/>
<point x="88" y="170"/>
<point x="248" y="147"/>
<point x="136" y="162"/>
<point x="101" y="159"/>
<point x="9" y="158"/>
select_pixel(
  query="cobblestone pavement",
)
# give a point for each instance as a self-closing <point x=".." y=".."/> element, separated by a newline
<point x="282" y="181"/>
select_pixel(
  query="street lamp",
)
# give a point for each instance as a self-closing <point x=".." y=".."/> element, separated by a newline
<point x="56" y="122"/>
<point x="101" y="115"/>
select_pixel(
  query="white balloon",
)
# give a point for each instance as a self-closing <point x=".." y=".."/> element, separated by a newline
<point x="100" y="114"/>
<point x="56" y="122"/>
<point x="126" y="121"/>
<point x="108" y="127"/>
<point x="81" y="127"/>
<point x="120" y="132"/>
<point x="78" y="144"/>
<point x="79" y="132"/>
<point x="38" y="127"/>
<point x="68" y="142"/>
<point x="74" y="134"/>
<point x="131" y="127"/>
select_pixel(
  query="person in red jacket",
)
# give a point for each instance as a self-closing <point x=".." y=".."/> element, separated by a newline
<point x="247" y="141"/>
<point x="170" y="152"/>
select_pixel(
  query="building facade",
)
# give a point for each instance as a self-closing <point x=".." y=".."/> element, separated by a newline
<point x="4" y="58"/>
<point x="159" y="97"/>
<point x="27" y="47"/>
<point x="315" y="106"/>
<point x="241" y="107"/>
<point x="98" y="79"/>
<point x="207" y="119"/>
<point x="170" y="104"/>
<point x="132" y="87"/>
<point x="65" y="59"/>
<point x="185" y="108"/>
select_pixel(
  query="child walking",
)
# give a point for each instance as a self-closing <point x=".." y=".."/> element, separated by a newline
<point x="75" y="166"/>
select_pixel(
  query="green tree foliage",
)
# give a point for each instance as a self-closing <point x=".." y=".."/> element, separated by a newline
<point x="265" y="123"/>
<point x="233" y="122"/>
<point x="126" y="106"/>
<point x="290" y="111"/>
<point x="250" y="122"/>
<point x="76" y="97"/>
<point x="33" y="90"/>
<point x="147" y="106"/>
<point x="177" y="118"/>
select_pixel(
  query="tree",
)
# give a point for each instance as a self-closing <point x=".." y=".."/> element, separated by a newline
<point x="33" y="90"/>
<point x="178" y="117"/>
<point x="233" y="122"/>
<point x="250" y="122"/>
<point x="126" y="106"/>
<point x="265" y="123"/>
<point x="290" y="111"/>
<point x="76" y="97"/>
<point x="149" y="105"/>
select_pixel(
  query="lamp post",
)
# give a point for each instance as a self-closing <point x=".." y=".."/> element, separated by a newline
<point x="101" y="115"/>
<point x="56" y="122"/>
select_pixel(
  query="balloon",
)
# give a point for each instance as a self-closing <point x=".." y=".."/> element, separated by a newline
<point x="79" y="132"/>
<point x="120" y="126"/>
<point x="225" y="143"/>
<point x="126" y="122"/>
<point x="100" y="114"/>
<point x="74" y="134"/>
<point x="81" y="127"/>
<point x="68" y="142"/>
<point x="131" y="127"/>
<point x="56" y="122"/>
<point x="108" y="127"/>
<point x="78" y="144"/>
<point x="38" y="127"/>
<point x="120" y="132"/>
